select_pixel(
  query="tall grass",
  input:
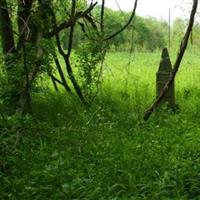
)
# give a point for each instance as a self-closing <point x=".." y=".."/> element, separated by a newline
<point x="107" y="152"/>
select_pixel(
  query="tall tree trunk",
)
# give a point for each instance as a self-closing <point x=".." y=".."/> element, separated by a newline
<point x="27" y="33"/>
<point x="24" y="19"/>
<point x="20" y="75"/>
<point x="9" y="54"/>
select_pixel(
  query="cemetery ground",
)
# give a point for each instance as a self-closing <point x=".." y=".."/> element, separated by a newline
<point x="107" y="152"/>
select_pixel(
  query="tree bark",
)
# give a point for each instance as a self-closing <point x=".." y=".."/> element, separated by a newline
<point x="7" y="36"/>
<point x="66" y="86"/>
<point x="102" y="15"/>
<point x="24" y="15"/>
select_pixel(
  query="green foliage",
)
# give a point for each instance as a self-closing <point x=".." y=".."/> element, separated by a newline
<point x="107" y="151"/>
<point x="62" y="8"/>
<point x="65" y="151"/>
<point x="89" y="56"/>
<point x="145" y="34"/>
<point x="10" y="80"/>
<point x="178" y="30"/>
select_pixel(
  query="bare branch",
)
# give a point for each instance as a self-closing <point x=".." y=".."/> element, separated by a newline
<point x="102" y="16"/>
<point x="126" y="25"/>
<point x="57" y="80"/>
<point x="66" y="58"/>
<point x="67" y="88"/>
<point x="60" y="49"/>
<point x="91" y="21"/>
<point x="54" y="84"/>
<point x="73" y="19"/>
<point x="83" y="29"/>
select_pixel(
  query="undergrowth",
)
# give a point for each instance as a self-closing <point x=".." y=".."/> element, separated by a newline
<point x="106" y="152"/>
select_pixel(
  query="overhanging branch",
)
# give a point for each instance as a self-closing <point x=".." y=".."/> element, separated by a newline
<point x="73" y="19"/>
<point x="126" y="25"/>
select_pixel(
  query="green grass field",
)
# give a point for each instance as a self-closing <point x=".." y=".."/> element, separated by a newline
<point x="108" y="152"/>
<point x="131" y="80"/>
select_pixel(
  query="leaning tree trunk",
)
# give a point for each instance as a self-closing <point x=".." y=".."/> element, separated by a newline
<point x="176" y="66"/>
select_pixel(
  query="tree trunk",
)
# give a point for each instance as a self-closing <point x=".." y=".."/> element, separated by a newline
<point x="177" y="63"/>
<point x="8" y="43"/>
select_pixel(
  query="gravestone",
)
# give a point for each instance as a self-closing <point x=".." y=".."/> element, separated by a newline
<point x="163" y="74"/>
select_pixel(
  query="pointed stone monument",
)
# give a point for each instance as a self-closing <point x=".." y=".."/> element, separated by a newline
<point x="163" y="74"/>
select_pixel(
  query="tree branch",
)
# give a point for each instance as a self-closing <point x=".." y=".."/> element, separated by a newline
<point x="91" y="21"/>
<point x="125" y="26"/>
<point x="83" y="29"/>
<point x="73" y="19"/>
<point x="66" y="58"/>
<point x="67" y="88"/>
<point x="55" y="79"/>
<point x="23" y="20"/>
<point x="102" y="16"/>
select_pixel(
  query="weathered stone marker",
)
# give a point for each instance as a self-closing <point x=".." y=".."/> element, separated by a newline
<point x="163" y="74"/>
